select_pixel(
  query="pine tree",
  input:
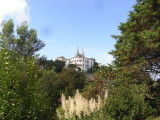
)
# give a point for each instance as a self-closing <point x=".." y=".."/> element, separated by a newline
<point x="24" y="41"/>
<point x="138" y="46"/>
<point x="137" y="51"/>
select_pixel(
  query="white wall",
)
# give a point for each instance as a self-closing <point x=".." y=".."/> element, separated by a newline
<point x="83" y="63"/>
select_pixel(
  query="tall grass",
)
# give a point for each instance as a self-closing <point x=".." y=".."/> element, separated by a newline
<point x="79" y="107"/>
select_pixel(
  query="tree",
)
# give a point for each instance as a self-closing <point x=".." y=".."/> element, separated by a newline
<point x="25" y="42"/>
<point x="42" y="61"/>
<point x="96" y="67"/>
<point x="137" y="51"/>
<point x="52" y="87"/>
<point x="8" y="33"/>
<point x="21" y="92"/>
<point x="72" y="80"/>
<point x="21" y="87"/>
<point x="154" y="101"/>
<point x="128" y="103"/>
<point x="101" y="80"/>
<point x="50" y="64"/>
<point x="54" y="84"/>
<point x="74" y="67"/>
<point x="132" y="93"/>
<point x="138" y="46"/>
<point x="58" y="65"/>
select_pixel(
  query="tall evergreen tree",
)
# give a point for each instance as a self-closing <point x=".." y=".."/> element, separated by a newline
<point x="138" y="46"/>
<point x="137" y="51"/>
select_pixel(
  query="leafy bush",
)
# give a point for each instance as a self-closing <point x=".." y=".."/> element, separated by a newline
<point x="128" y="103"/>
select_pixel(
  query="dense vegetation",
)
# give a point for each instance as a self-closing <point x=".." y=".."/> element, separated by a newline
<point x="31" y="87"/>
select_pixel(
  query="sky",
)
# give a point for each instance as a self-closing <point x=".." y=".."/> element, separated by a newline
<point x="64" y="25"/>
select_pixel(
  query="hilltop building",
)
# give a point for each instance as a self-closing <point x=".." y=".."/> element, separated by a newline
<point x="61" y="58"/>
<point x="80" y="60"/>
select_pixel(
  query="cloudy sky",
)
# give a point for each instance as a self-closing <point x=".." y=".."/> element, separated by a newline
<point x="65" y="24"/>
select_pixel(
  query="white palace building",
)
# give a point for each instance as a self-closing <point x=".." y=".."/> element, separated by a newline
<point x="80" y="60"/>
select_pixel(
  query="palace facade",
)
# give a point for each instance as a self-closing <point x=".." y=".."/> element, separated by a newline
<point x="80" y="60"/>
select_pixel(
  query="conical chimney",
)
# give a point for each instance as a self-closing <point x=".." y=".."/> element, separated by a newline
<point x="77" y="53"/>
<point x="83" y="53"/>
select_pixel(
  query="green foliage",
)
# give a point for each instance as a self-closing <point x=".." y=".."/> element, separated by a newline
<point x="154" y="88"/>
<point x="52" y="88"/>
<point x="74" y="67"/>
<point x="21" y="93"/>
<point x="93" y="69"/>
<point x="96" y="67"/>
<point x="54" y="84"/>
<point x="25" y="42"/>
<point x="32" y="91"/>
<point x="72" y="80"/>
<point x="138" y="46"/>
<point x="50" y="64"/>
<point x="128" y="103"/>
<point x="127" y="100"/>
<point x="102" y="79"/>
<point x="58" y="65"/>
<point x="42" y="61"/>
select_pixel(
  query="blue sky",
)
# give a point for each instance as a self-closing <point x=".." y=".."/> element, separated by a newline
<point x="65" y="24"/>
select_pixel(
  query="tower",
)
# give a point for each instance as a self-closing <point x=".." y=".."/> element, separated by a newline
<point x="77" y="54"/>
<point x="83" y="53"/>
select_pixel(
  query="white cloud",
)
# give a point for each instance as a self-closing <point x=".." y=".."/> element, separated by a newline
<point x="16" y="9"/>
<point x="105" y="58"/>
